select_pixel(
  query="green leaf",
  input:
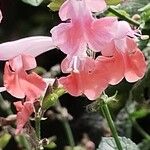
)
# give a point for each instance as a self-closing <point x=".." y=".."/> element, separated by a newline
<point x="145" y="8"/>
<point x="4" y="139"/>
<point x="55" y="4"/>
<point x="113" y="2"/>
<point x="33" y="2"/>
<point x="140" y="113"/>
<point x="108" y="143"/>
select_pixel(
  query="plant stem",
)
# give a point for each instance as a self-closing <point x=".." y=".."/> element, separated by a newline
<point x="129" y="20"/>
<point x="68" y="133"/>
<point x="38" y="130"/>
<point x="110" y="122"/>
<point x="38" y="127"/>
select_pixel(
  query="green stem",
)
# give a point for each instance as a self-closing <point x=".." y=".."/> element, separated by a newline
<point x="108" y="117"/>
<point x="68" y="133"/>
<point x="121" y="16"/>
<point x="38" y="127"/>
<point x="38" y="130"/>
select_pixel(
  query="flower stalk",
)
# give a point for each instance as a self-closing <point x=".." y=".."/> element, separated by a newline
<point x="118" y="14"/>
<point x="68" y="133"/>
<point x="106" y="112"/>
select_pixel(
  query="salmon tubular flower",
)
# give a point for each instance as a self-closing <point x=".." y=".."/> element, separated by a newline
<point x="81" y="31"/>
<point x="126" y="59"/>
<point x="88" y="81"/>
<point x="20" y="56"/>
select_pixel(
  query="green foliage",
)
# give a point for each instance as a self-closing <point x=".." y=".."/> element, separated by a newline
<point x="52" y="98"/>
<point x="113" y="2"/>
<point x="51" y="145"/>
<point x="108" y="143"/>
<point x="140" y="113"/>
<point x="55" y="4"/>
<point x="33" y="2"/>
<point x="144" y="145"/>
<point x="4" y="139"/>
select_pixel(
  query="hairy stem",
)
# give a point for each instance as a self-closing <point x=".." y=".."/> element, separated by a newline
<point x="110" y="122"/>
<point x="68" y="133"/>
<point x="121" y="16"/>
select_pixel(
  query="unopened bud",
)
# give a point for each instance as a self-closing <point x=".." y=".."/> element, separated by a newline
<point x="136" y="17"/>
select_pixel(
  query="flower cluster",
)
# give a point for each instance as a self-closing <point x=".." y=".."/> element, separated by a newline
<point x="99" y="52"/>
<point x="82" y="37"/>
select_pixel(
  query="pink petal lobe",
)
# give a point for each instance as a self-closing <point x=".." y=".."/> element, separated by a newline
<point x="135" y="66"/>
<point x="29" y="62"/>
<point x="12" y="83"/>
<point x="72" y="84"/>
<point x="33" y="85"/>
<point x="32" y="46"/>
<point x="68" y="37"/>
<point x="100" y="33"/>
<point x="124" y="30"/>
<point x="114" y="66"/>
<point x="23" y="114"/>
<point x="20" y="84"/>
<point x="24" y="62"/>
<point x="96" y="5"/>
<point x="75" y="10"/>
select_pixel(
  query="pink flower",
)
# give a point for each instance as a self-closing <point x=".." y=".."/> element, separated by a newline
<point x="91" y="80"/>
<point x="126" y="58"/>
<point x="24" y="111"/>
<point x="21" y="57"/>
<point x="82" y="30"/>
<point x="120" y="58"/>
<point x="92" y="5"/>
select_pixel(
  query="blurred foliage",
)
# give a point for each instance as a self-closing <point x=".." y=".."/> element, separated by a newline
<point x="55" y="4"/>
<point x="108" y="143"/>
<point x="33" y="2"/>
<point x="4" y="139"/>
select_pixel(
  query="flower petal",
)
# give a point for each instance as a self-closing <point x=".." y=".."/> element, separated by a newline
<point x="11" y="82"/>
<point x="23" y="114"/>
<point x="114" y="66"/>
<point x="32" y="46"/>
<point x="68" y="37"/>
<point x="24" y="62"/>
<point x="72" y="84"/>
<point x="100" y="33"/>
<point x="74" y="10"/>
<point x="96" y="5"/>
<point x="135" y="66"/>
<point x="20" y="84"/>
